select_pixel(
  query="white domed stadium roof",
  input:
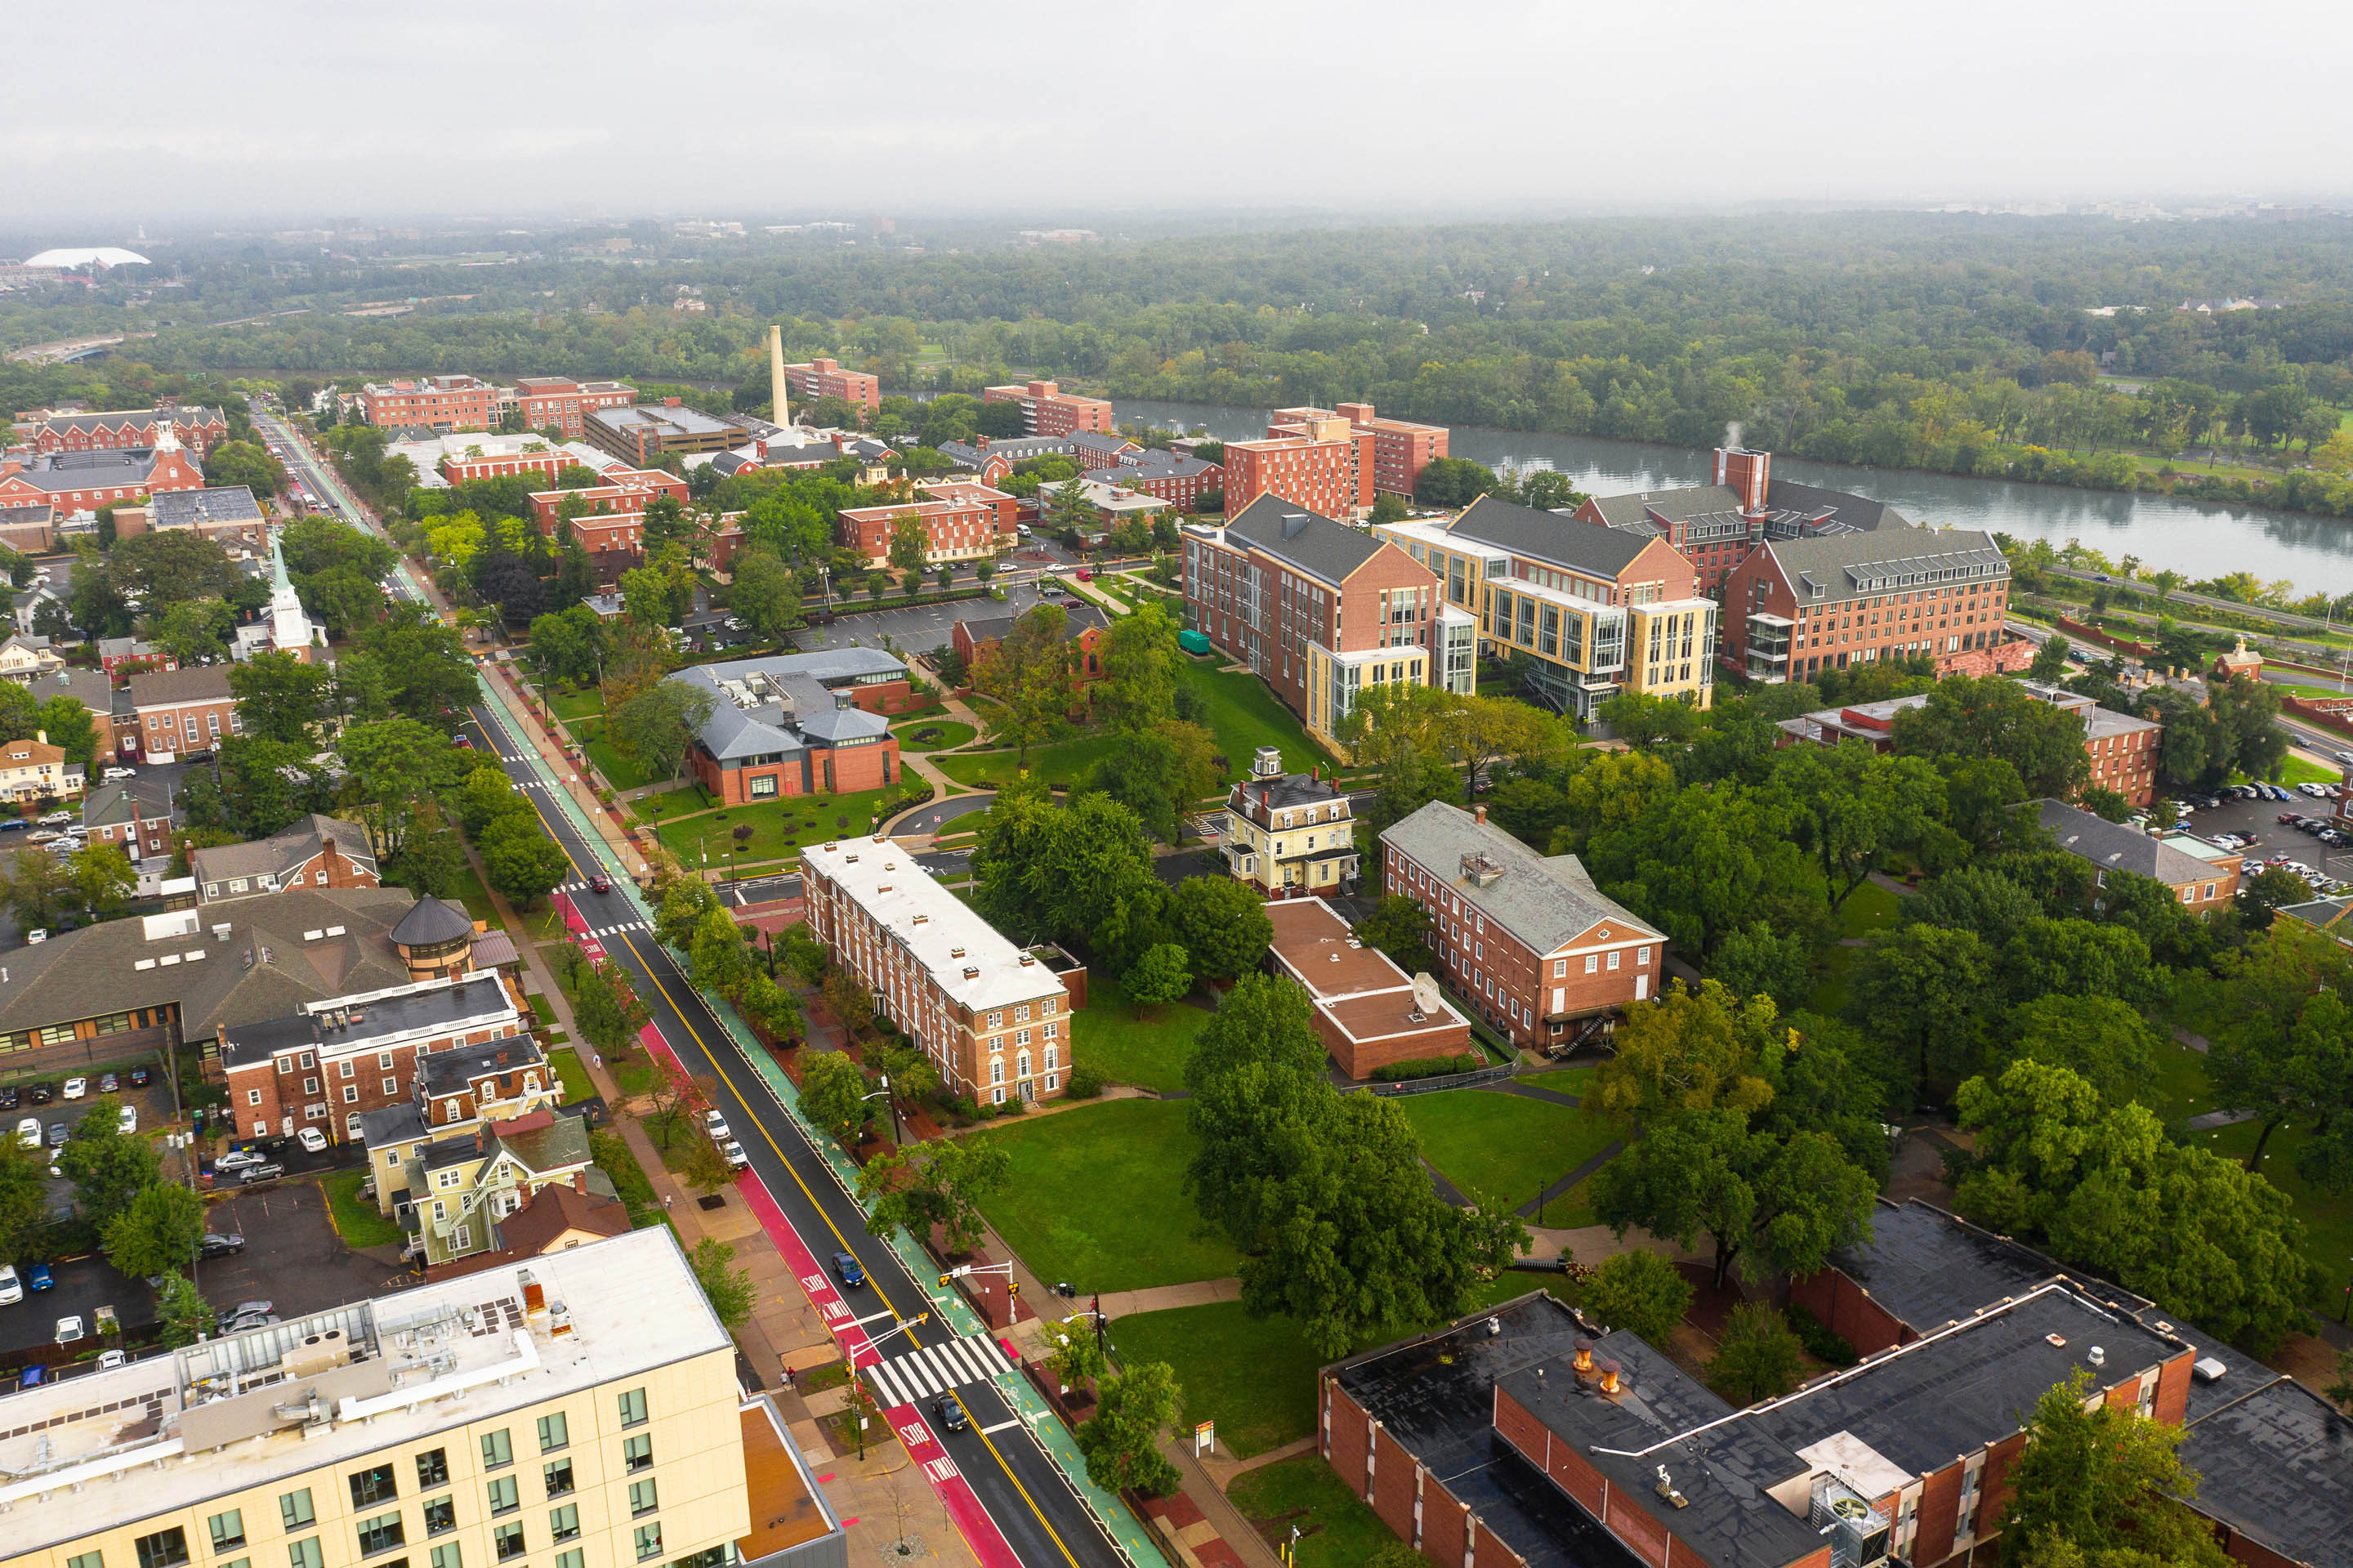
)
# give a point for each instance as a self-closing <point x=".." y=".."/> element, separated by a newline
<point x="95" y="256"/>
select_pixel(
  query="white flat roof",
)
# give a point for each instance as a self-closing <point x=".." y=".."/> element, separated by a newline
<point x="972" y="962"/>
<point x="171" y="1431"/>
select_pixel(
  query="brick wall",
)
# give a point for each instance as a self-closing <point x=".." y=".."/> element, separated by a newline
<point x="1940" y="1503"/>
<point x="1848" y="1311"/>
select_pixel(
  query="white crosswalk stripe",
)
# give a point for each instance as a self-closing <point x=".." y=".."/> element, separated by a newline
<point x="933" y="1369"/>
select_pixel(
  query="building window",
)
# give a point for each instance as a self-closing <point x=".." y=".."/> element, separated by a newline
<point x="633" y="1408"/>
<point x="1560" y="969"/>
<point x="637" y="1452"/>
<point x="564" y="1523"/>
<point x="1613" y="959"/>
<point x="505" y="1497"/>
<point x="496" y="1449"/>
<point x="1643" y="957"/>
<point x="506" y="1542"/>
<point x="374" y="1485"/>
<point x="440" y="1516"/>
<point x="1592" y="963"/>
<point x="642" y="1498"/>
<point x="253" y="1096"/>
<point x="554" y="1433"/>
<point x="227" y="1530"/>
<point x="559" y="1478"/>
<point x="294" y="1510"/>
<point x="305" y="1555"/>
<point x="164" y="1549"/>
<point x="649" y="1540"/>
<point x="446" y="1557"/>
<point x="573" y="1558"/>
<point x="381" y="1533"/>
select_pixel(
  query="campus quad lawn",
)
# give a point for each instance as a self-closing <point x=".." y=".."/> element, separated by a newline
<point x="1506" y="1146"/>
<point x="1107" y="1035"/>
<point x="573" y="1074"/>
<point x="1339" y="1531"/>
<point x="779" y="828"/>
<point x="1244" y="715"/>
<point x="578" y="705"/>
<point x="1097" y="1198"/>
<point x="1063" y="764"/>
<point x="952" y="732"/>
<point x="621" y="772"/>
<point x="1577" y="1081"/>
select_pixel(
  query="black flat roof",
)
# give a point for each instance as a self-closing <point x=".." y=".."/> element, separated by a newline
<point x="388" y="1015"/>
<point x="2277" y="1465"/>
<point x="447" y="1072"/>
<point x="1435" y="1394"/>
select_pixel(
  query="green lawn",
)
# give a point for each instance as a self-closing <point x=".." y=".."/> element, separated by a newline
<point x="1506" y="1146"/>
<point x="1829" y="997"/>
<point x="1337" y="1529"/>
<point x="476" y="897"/>
<point x="578" y="705"/>
<point x="621" y="772"/>
<point x="1108" y="1036"/>
<point x="1064" y="763"/>
<point x="2295" y="770"/>
<point x="661" y="804"/>
<point x="1576" y="1081"/>
<point x="356" y="1220"/>
<point x="1244" y="715"/>
<point x="779" y="828"/>
<point x="573" y="1074"/>
<point x="2176" y="1085"/>
<point x="1255" y="1377"/>
<point x="2328" y="1221"/>
<point x="1869" y="908"/>
<point x="1097" y="1198"/>
<point x="952" y="732"/>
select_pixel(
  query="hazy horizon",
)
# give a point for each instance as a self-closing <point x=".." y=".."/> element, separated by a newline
<point x="1383" y="113"/>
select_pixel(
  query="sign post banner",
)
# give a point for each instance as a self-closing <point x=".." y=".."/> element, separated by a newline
<point x="1205" y="1437"/>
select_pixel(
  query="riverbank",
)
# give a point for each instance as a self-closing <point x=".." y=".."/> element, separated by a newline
<point x="2191" y="533"/>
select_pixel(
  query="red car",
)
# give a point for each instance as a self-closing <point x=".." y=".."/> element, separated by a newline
<point x="1086" y="576"/>
<point x="601" y="883"/>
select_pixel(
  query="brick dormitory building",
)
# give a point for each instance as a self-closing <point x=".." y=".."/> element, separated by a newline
<point x="798" y="723"/>
<point x="2122" y="748"/>
<point x="1047" y="411"/>
<point x="1527" y="1434"/>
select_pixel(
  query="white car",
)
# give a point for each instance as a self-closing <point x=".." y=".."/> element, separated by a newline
<point x="114" y="775"/>
<point x="28" y="1132"/>
<point x="54" y="819"/>
<point x="12" y="1289"/>
<point x="70" y="1329"/>
<point x="736" y="1159"/>
<point x="716" y="1126"/>
<point x="77" y="1088"/>
<point x="130" y="1118"/>
<point x="313" y="1140"/>
<point x="110" y="1359"/>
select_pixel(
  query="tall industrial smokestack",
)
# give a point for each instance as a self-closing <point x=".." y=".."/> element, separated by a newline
<point x="781" y="413"/>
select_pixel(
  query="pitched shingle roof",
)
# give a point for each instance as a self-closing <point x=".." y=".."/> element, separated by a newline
<point x="198" y="683"/>
<point x="1544" y="902"/>
<point x="1324" y="549"/>
<point x="2114" y="846"/>
<point x="1550" y="537"/>
<point x="282" y="852"/>
<point x="1848" y="563"/>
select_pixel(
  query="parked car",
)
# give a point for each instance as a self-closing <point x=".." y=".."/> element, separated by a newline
<point x="228" y="1315"/>
<point x="59" y="1133"/>
<point x="41" y="1094"/>
<point x="28" y="1132"/>
<point x="8" y="1096"/>
<point x="313" y="1140"/>
<point x="214" y="1244"/>
<point x="736" y="1159"/>
<point x="14" y="825"/>
<point x="77" y="1088"/>
<point x="263" y="1172"/>
<point x="129" y="1118"/>
<point x="39" y="1278"/>
<point x="2289" y="819"/>
<point x="114" y="775"/>
<point x="237" y="1160"/>
<point x="69" y="1329"/>
<point x="716" y="1126"/>
<point x="54" y="818"/>
<point x="109" y="1083"/>
<point x="141" y="1078"/>
<point x="12" y="1289"/>
<point x="847" y="1268"/>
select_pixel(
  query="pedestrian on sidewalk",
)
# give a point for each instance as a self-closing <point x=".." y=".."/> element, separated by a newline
<point x="666" y="1199"/>
<point x="596" y="1060"/>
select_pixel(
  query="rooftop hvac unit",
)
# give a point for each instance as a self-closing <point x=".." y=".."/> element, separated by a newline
<point x="1857" y="1534"/>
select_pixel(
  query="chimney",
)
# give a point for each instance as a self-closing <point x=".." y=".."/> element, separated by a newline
<point x="779" y="412"/>
<point x="1583" y="1362"/>
<point x="1479" y="813"/>
<point x="1609" y="1378"/>
<point x="42" y="736"/>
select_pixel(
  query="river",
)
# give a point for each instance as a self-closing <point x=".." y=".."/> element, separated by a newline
<point x="2194" y="538"/>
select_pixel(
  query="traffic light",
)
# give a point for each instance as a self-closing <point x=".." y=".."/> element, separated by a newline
<point x="946" y="1279"/>
<point x="1013" y="1288"/>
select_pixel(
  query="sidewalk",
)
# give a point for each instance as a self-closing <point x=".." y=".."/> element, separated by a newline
<point x="517" y="713"/>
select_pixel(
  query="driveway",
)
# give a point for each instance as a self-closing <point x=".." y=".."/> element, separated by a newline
<point x="292" y="1255"/>
<point x="927" y="819"/>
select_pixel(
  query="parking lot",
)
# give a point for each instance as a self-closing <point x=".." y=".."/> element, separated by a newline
<point x="83" y="1285"/>
<point x="918" y="629"/>
<point x="2258" y="822"/>
<point x="292" y="1255"/>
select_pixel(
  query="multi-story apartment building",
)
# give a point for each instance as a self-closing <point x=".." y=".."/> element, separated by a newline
<point x="333" y="1061"/>
<point x="34" y="770"/>
<point x="1324" y="464"/>
<point x="641" y="432"/>
<point x="559" y="403"/>
<point x="962" y="521"/>
<point x="1795" y="608"/>
<point x="182" y="711"/>
<point x="436" y="403"/>
<point x="1401" y="448"/>
<point x="310" y="852"/>
<point x="612" y="526"/>
<point x="1595" y="611"/>
<point x="77" y="482"/>
<point x="825" y="378"/>
<point x="798" y="723"/>
<point x="1289" y="835"/>
<point x="533" y="456"/>
<point x="2202" y="877"/>
<point x="199" y="429"/>
<point x="2122" y="748"/>
<point x="1527" y="939"/>
<point x="522" y="1413"/>
<point x="1047" y="411"/>
<point x="1320" y="611"/>
<point x="995" y="1020"/>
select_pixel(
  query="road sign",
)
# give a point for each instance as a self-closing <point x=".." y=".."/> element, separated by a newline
<point x="1205" y="1437"/>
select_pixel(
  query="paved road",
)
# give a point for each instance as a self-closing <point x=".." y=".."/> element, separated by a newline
<point x="322" y="481"/>
<point x="929" y="819"/>
<point x="2204" y="601"/>
<point x="761" y="889"/>
<point x="1011" y="1473"/>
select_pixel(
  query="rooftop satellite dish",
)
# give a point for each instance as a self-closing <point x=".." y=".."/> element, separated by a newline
<point x="1426" y="997"/>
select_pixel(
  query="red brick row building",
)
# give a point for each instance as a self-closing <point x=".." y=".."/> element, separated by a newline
<point x="198" y="428"/>
<point x="1323" y="463"/>
<point x="826" y="379"/>
<point x="1047" y="411"/>
<point x="560" y="403"/>
<point x="1401" y="448"/>
<point x="963" y="520"/>
<point x="435" y="402"/>
<point x="71" y="482"/>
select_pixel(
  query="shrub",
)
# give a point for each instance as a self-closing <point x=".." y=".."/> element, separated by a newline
<point x="1756" y="1356"/>
<point x="1086" y="1083"/>
<point x="1821" y="1340"/>
<point x="1016" y="1105"/>
<point x="1414" y="1067"/>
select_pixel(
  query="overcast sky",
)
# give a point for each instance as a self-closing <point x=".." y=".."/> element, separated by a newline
<point x="139" y="110"/>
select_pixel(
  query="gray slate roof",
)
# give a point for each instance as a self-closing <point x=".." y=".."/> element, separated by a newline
<point x="221" y="504"/>
<point x="1550" y="537"/>
<point x="2278" y="1465"/>
<point x="1849" y="563"/>
<point x="1324" y="549"/>
<point x="1077" y="619"/>
<point x="282" y="852"/>
<point x="1538" y="899"/>
<point x="199" y="683"/>
<point x="432" y="921"/>
<point x="145" y="796"/>
<point x="810" y="680"/>
<point x="1675" y="505"/>
<point x="2113" y="846"/>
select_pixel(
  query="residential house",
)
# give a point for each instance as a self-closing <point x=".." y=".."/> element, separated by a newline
<point x="1527" y="939"/>
<point x="310" y="852"/>
<point x="136" y="813"/>
<point x="1084" y="628"/>
<point x="34" y="770"/>
<point x="1290" y="835"/>
<point x="114" y="652"/>
<point x="26" y="656"/>
<point x="182" y="711"/>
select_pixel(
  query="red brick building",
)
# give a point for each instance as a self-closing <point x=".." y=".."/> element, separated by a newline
<point x="1083" y="628"/>
<point x="197" y="428"/>
<point x="825" y="378"/>
<point x="1401" y="448"/>
<point x="336" y="1061"/>
<point x="1794" y="608"/>
<point x="1366" y="1010"/>
<point x="547" y="465"/>
<point x="1324" y="465"/>
<point x="800" y="724"/>
<point x="181" y="712"/>
<point x="311" y="852"/>
<point x="71" y="482"/>
<point x="1179" y="481"/>
<point x="963" y="520"/>
<point x="1527" y="939"/>
<point x="1320" y="611"/>
<point x="2122" y="748"/>
<point x="2202" y="876"/>
<point x="1047" y="411"/>
<point x="435" y="402"/>
<point x="560" y="403"/>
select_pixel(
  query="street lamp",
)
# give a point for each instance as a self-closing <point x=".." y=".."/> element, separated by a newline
<point x="884" y="1094"/>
